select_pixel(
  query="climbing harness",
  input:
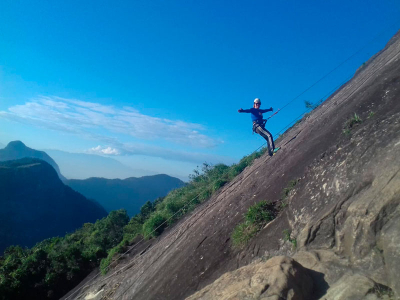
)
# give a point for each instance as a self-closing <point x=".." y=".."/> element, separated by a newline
<point x="260" y="123"/>
<point x="263" y="121"/>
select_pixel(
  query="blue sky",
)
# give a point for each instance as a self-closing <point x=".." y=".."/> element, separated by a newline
<point x="157" y="84"/>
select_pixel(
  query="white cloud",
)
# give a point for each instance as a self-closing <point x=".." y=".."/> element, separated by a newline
<point x="104" y="150"/>
<point x="105" y="124"/>
<point x="80" y="117"/>
<point x="155" y="151"/>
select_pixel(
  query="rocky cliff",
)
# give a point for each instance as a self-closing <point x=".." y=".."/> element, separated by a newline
<point x="337" y="235"/>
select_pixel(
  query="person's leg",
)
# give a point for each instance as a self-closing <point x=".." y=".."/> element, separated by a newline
<point x="271" y="139"/>
<point x="268" y="137"/>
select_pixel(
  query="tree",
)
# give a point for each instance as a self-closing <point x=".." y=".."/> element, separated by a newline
<point x="146" y="209"/>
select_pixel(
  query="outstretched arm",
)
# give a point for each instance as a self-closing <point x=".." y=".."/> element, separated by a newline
<point x="244" y="110"/>
<point x="266" y="110"/>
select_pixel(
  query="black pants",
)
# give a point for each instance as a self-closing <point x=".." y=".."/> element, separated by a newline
<point x="267" y="136"/>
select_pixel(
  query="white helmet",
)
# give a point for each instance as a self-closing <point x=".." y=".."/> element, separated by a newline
<point x="257" y="100"/>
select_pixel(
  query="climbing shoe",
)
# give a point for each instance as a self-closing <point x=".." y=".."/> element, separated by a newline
<point x="276" y="149"/>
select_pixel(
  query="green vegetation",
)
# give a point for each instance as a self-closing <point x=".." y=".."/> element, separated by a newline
<point x="153" y="219"/>
<point x="286" y="191"/>
<point x="355" y="120"/>
<point x="243" y="233"/>
<point x="52" y="267"/>
<point x="290" y="186"/>
<point x="351" y="123"/>
<point x="258" y="215"/>
<point x="383" y="292"/>
<point x="255" y="218"/>
<point x="286" y="237"/>
<point x="346" y="131"/>
<point x="310" y="105"/>
<point x="297" y="122"/>
<point x="202" y="185"/>
<point x="371" y="114"/>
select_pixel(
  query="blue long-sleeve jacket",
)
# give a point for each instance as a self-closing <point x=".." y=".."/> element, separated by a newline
<point x="256" y="114"/>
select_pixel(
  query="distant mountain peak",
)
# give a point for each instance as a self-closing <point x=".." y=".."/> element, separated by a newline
<point x="17" y="150"/>
<point x="16" y="145"/>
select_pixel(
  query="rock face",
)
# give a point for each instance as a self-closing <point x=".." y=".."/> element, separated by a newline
<point x="354" y="286"/>
<point x="279" y="278"/>
<point x="353" y="214"/>
<point x="344" y="212"/>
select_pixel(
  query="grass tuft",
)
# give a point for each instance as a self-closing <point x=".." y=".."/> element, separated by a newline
<point x="256" y="217"/>
<point x="259" y="213"/>
<point x="243" y="233"/>
<point x="351" y="123"/>
<point x="286" y="191"/>
<point x="286" y="234"/>
<point x="287" y="237"/>
<point x="289" y="188"/>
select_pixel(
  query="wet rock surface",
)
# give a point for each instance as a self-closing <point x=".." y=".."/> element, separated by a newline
<point x="343" y="214"/>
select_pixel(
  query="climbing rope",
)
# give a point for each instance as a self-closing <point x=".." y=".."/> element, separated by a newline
<point x="309" y="110"/>
<point x="337" y="67"/>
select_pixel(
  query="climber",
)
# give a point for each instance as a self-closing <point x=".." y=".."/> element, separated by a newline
<point x="259" y="124"/>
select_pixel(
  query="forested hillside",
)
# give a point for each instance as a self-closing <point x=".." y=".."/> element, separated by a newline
<point x="35" y="204"/>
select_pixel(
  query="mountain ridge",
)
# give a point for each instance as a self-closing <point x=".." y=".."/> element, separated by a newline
<point x="17" y="150"/>
<point x="130" y="193"/>
<point x="33" y="197"/>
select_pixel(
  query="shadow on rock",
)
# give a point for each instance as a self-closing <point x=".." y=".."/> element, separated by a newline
<point x="320" y="286"/>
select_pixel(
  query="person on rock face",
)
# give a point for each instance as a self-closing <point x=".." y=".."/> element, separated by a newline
<point x="259" y="124"/>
